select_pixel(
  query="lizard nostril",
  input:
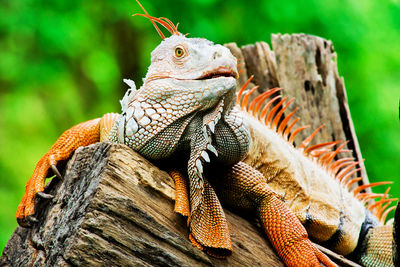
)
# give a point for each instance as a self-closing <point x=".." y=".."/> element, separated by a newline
<point x="216" y="55"/>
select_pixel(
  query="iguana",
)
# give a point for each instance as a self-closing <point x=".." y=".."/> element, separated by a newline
<point x="187" y="108"/>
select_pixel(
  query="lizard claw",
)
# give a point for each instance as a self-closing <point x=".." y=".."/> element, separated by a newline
<point x="83" y="134"/>
<point x="44" y="195"/>
<point x="34" y="188"/>
<point x="31" y="219"/>
<point x="23" y="222"/>
<point x="27" y="221"/>
<point x="56" y="172"/>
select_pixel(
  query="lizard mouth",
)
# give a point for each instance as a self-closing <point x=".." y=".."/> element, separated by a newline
<point x="220" y="72"/>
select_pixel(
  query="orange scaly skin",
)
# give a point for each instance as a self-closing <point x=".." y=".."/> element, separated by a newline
<point x="83" y="134"/>
<point x="182" y="205"/>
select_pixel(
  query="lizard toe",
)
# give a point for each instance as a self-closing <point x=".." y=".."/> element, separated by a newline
<point x="23" y="222"/>
<point x="55" y="171"/>
<point x="44" y="195"/>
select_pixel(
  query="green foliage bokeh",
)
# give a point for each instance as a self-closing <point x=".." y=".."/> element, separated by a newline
<point x="62" y="62"/>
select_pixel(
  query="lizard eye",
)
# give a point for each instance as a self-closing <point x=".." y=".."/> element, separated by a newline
<point x="179" y="52"/>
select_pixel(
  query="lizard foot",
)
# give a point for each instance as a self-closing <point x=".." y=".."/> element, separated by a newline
<point x="83" y="134"/>
<point x="34" y="189"/>
<point x="304" y="253"/>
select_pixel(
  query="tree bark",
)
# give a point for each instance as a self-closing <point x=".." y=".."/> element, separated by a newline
<point x="114" y="208"/>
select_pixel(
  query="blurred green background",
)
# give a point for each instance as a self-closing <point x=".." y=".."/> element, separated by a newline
<point x="62" y="62"/>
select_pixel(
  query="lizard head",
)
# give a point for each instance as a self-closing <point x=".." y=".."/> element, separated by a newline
<point x="187" y="60"/>
<point x="183" y="58"/>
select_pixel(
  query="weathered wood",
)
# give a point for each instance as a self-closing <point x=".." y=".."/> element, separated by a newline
<point x="114" y="208"/>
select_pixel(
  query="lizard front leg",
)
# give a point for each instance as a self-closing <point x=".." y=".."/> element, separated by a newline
<point x="83" y="134"/>
<point x="208" y="226"/>
<point x="245" y="188"/>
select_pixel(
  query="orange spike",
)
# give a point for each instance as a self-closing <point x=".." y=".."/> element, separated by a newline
<point x="340" y="175"/>
<point x="246" y="97"/>
<point x="295" y="132"/>
<point x="239" y="96"/>
<point x="351" y="182"/>
<point x="285" y="121"/>
<point x="264" y="111"/>
<point x="287" y="131"/>
<point x="318" y="146"/>
<point x="264" y="95"/>
<point x="163" y="23"/>
<point x="154" y="24"/>
<point x="258" y="100"/>
<point x="319" y="153"/>
<point x="344" y="164"/>
<point x="323" y="160"/>
<point x="379" y="207"/>
<point x="335" y="164"/>
<point x="175" y="28"/>
<point x="381" y="210"/>
<point x="366" y="196"/>
<point x="273" y="110"/>
<point x="372" y="206"/>
<point x="239" y="65"/>
<point x="310" y="138"/>
<point x="327" y="161"/>
<point x="347" y="176"/>
<point x="364" y="186"/>
<point x="386" y="213"/>
<point x="240" y="72"/>
<point x="279" y="115"/>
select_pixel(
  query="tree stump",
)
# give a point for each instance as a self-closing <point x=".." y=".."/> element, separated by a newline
<point x="115" y="208"/>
